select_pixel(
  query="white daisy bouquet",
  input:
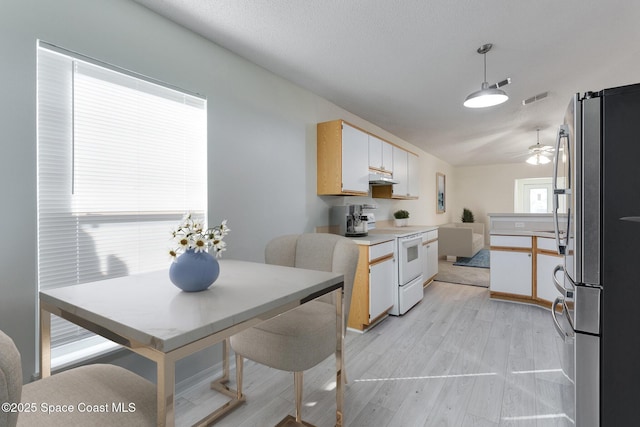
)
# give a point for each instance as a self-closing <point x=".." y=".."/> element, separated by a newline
<point x="191" y="234"/>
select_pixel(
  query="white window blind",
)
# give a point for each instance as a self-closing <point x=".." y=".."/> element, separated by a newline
<point x="120" y="159"/>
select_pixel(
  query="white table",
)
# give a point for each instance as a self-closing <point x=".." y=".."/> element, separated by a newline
<point x="149" y="315"/>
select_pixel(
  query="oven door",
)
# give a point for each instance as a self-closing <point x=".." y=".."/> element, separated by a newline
<point x="410" y="265"/>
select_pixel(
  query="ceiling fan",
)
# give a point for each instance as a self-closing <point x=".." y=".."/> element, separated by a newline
<point x="539" y="153"/>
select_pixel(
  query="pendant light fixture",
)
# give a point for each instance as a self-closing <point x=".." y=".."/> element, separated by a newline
<point x="487" y="96"/>
<point x="539" y="153"/>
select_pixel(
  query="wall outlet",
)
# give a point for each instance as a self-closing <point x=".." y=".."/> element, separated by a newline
<point x="519" y="224"/>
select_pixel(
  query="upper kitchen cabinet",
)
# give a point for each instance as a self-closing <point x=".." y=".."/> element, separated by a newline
<point x="406" y="172"/>
<point x="400" y="166"/>
<point x="413" y="176"/>
<point x="380" y="155"/>
<point x="343" y="160"/>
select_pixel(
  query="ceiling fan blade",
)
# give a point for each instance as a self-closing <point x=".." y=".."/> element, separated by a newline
<point x="536" y="148"/>
<point x="501" y="83"/>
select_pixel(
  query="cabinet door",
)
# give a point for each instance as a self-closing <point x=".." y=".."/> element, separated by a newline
<point x="381" y="287"/>
<point x="413" y="175"/>
<point x="511" y="272"/>
<point x="380" y="154"/>
<point x="355" y="160"/>
<point x="375" y="152"/>
<point x="387" y="157"/>
<point x="432" y="259"/>
<point x="400" y="171"/>
<point x="425" y="259"/>
<point x="546" y="290"/>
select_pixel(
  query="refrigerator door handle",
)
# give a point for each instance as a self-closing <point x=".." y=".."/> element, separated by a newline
<point x="556" y="155"/>
<point x="559" y="287"/>
<point x="556" y="225"/>
<point x="563" y="132"/>
<point x="566" y="336"/>
<point x="556" y="191"/>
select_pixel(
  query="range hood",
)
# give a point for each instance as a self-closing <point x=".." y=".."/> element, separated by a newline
<point x="381" y="179"/>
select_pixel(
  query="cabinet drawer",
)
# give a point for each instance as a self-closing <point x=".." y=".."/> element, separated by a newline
<point x="381" y="249"/>
<point x="511" y="241"/>
<point x="547" y="243"/>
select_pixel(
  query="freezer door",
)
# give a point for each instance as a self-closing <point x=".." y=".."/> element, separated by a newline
<point x="587" y="380"/>
<point x="586" y="311"/>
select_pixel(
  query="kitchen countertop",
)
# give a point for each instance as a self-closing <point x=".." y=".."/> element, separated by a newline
<point x="531" y="233"/>
<point x="403" y="231"/>
<point x="387" y="233"/>
<point x="521" y="215"/>
<point x="373" y="239"/>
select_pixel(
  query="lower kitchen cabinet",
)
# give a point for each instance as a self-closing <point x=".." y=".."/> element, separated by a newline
<point x="511" y="267"/>
<point x="547" y="259"/>
<point x="522" y="269"/>
<point x="429" y="256"/>
<point x="374" y="285"/>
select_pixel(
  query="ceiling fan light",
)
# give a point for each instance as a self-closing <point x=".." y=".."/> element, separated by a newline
<point x="538" y="159"/>
<point x="543" y="160"/>
<point x="485" y="98"/>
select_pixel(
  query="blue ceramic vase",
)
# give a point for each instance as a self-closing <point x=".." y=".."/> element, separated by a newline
<point x="194" y="271"/>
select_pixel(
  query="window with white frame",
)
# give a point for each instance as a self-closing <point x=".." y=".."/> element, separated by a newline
<point x="120" y="159"/>
<point x="535" y="195"/>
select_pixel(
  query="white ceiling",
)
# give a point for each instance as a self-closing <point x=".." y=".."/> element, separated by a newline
<point x="407" y="65"/>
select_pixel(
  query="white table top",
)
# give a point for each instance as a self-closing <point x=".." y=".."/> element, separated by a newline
<point x="149" y="309"/>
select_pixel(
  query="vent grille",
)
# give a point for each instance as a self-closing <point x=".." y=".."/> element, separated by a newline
<point x="535" y="98"/>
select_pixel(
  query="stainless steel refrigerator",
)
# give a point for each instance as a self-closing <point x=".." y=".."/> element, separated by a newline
<point x="597" y="173"/>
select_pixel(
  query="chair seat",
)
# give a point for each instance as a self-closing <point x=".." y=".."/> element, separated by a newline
<point x="110" y="388"/>
<point x="294" y="341"/>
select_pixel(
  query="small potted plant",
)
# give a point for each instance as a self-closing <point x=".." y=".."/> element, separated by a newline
<point x="401" y="218"/>
<point x="467" y="215"/>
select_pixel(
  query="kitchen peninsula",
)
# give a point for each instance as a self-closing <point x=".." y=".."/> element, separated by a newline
<point x="524" y="258"/>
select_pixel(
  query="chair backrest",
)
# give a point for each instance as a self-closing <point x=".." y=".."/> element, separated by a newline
<point x="10" y="378"/>
<point x="317" y="251"/>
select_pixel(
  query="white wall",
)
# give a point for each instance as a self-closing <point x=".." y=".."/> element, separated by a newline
<point x="262" y="136"/>
<point x="490" y="189"/>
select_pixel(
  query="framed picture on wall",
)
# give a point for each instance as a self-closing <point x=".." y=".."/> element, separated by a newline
<point x="440" y="193"/>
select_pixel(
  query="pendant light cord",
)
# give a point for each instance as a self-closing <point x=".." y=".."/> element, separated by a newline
<point x="485" y="67"/>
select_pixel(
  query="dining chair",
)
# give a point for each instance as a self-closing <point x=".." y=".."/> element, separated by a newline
<point x="91" y="395"/>
<point x="305" y="336"/>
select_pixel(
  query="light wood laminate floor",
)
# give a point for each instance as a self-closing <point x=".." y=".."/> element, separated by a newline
<point x="456" y="359"/>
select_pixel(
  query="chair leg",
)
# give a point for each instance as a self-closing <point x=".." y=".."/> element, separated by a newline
<point x="239" y="367"/>
<point x="297" y="382"/>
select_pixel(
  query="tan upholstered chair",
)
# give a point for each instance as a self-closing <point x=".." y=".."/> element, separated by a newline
<point x="86" y="390"/>
<point x="460" y="239"/>
<point x="301" y="338"/>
